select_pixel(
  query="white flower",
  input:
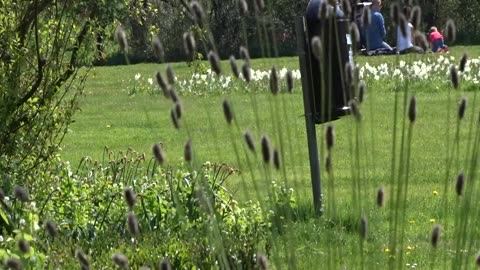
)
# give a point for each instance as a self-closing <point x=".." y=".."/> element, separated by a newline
<point x="150" y="81"/>
<point x="22" y="221"/>
<point x="137" y="76"/>
<point x="1" y="238"/>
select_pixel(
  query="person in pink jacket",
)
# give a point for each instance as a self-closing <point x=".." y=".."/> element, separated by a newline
<point x="436" y="41"/>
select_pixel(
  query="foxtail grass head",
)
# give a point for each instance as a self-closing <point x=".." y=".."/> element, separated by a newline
<point x="381" y="197"/>
<point x="175" y="119"/>
<point x="454" y="76"/>
<point x="355" y="110"/>
<point x="366" y="17"/>
<point x="23" y="246"/>
<point x="462" y="107"/>
<point x="132" y="223"/>
<point x="122" y="39"/>
<point x="317" y="47"/>
<point x="170" y="75"/>
<point x="274" y="88"/>
<point x="459" y="185"/>
<point x="82" y="259"/>
<point x="328" y="163"/>
<point x="158" y="50"/>
<point x="259" y="6"/>
<point x="416" y="17"/>
<point x="197" y="12"/>
<point x="395" y="13"/>
<point x="244" y="54"/>
<point x="289" y="78"/>
<point x="450" y="31"/>
<point x="420" y="40"/>
<point x="234" y="66"/>
<point x="463" y="62"/>
<point x="51" y="228"/>
<point x="346" y="8"/>
<point x="249" y="140"/>
<point x="130" y="197"/>
<point x="412" y="109"/>
<point x="189" y="44"/>
<point x="120" y="260"/>
<point x="403" y="24"/>
<point x="262" y="262"/>
<point x="21" y="194"/>
<point x="330" y="137"/>
<point x="13" y="263"/>
<point x="246" y="71"/>
<point x="165" y="265"/>
<point x="266" y="149"/>
<point x="163" y="84"/>
<point x="188" y="151"/>
<point x="227" y="111"/>
<point x="363" y="228"/>
<point x="435" y="237"/>
<point x="362" y="87"/>
<point x="323" y="12"/>
<point x="243" y="7"/>
<point x="158" y="153"/>
<point x="178" y="109"/>
<point x="276" y="159"/>
<point x="354" y="32"/>
<point x="214" y="62"/>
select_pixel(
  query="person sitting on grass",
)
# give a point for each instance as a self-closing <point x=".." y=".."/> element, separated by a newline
<point x="404" y="40"/>
<point x="376" y="31"/>
<point x="436" y="41"/>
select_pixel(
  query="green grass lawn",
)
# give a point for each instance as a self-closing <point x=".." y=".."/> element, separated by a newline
<point x="110" y="117"/>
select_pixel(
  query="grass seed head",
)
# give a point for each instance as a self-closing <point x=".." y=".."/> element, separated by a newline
<point x="197" y="12"/>
<point x="328" y="163"/>
<point x="380" y="197"/>
<point x="51" y="228"/>
<point x="276" y="159"/>
<point x="21" y="194"/>
<point x="246" y="72"/>
<point x="395" y="13"/>
<point x="412" y="109"/>
<point x="323" y="11"/>
<point x="188" y="153"/>
<point x="463" y="62"/>
<point x="460" y="184"/>
<point x="214" y="62"/>
<point x="349" y="76"/>
<point x="130" y="196"/>
<point x="402" y="22"/>
<point x="362" y="87"/>
<point x="175" y="120"/>
<point x="259" y="6"/>
<point x="120" y="260"/>
<point x="274" y="81"/>
<point x="243" y="7"/>
<point x="416" y="17"/>
<point x="462" y="107"/>
<point x="289" y="79"/>
<point x="13" y="263"/>
<point x="158" y="153"/>
<point x="189" y="44"/>
<point x="262" y="262"/>
<point x="435" y="235"/>
<point x="420" y="40"/>
<point x="347" y="8"/>
<point x="244" y="54"/>
<point x="170" y="75"/>
<point x="317" y="47"/>
<point x="366" y="17"/>
<point x="355" y="110"/>
<point x="23" y="246"/>
<point x="82" y="258"/>
<point x="363" y="228"/>
<point x="233" y="65"/>
<point x="158" y="48"/>
<point x="132" y="223"/>
<point x="122" y="38"/>
<point x="227" y="111"/>
<point x="249" y="140"/>
<point x="266" y="151"/>
<point x="178" y="109"/>
<point x="163" y="84"/>
<point x="454" y="76"/>
<point x="354" y="32"/>
<point x="330" y="137"/>
<point x="165" y="265"/>
<point x="450" y="31"/>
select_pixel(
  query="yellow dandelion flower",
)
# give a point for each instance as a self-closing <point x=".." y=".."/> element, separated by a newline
<point x="435" y="193"/>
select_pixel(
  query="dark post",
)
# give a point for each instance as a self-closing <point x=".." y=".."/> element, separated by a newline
<point x="309" y="115"/>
